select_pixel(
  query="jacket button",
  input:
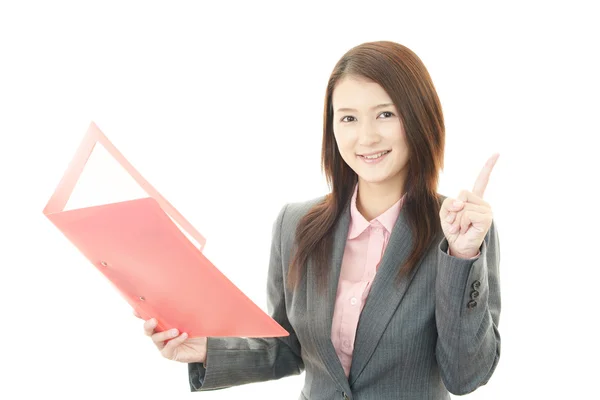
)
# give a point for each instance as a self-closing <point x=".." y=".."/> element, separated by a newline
<point x="474" y="294"/>
<point x="472" y="304"/>
<point x="346" y="396"/>
<point x="476" y="285"/>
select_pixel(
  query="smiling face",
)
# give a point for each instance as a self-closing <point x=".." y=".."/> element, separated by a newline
<point x="369" y="133"/>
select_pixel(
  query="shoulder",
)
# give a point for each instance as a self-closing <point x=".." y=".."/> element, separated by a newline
<point x="291" y="213"/>
<point x="294" y="211"/>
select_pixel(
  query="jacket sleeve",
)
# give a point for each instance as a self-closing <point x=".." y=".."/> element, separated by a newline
<point x="234" y="361"/>
<point x="467" y="312"/>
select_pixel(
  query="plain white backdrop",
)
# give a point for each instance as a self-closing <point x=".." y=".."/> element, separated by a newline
<point x="219" y="106"/>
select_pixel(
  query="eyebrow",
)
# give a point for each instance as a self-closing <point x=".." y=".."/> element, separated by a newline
<point x="372" y="108"/>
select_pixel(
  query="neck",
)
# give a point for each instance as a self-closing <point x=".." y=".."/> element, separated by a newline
<point x="374" y="199"/>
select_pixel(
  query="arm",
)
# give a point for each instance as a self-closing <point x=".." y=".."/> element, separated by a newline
<point x="236" y="361"/>
<point x="467" y="314"/>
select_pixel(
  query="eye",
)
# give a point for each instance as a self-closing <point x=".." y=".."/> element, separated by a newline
<point x="387" y="112"/>
<point x="347" y="116"/>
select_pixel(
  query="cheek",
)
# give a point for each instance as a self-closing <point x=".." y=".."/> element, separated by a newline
<point x="393" y="132"/>
<point x="347" y="152"/>
<point x="345" y="144"/>
<point x="397" y="140"/>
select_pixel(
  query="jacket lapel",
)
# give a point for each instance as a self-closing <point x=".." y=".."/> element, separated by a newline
<point x="320" y="304"/>
<point x="384" y="297"/>
<point x="382" y="301"/>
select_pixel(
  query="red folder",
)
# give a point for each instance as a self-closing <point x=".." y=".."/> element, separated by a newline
<point x="150" y="261"/>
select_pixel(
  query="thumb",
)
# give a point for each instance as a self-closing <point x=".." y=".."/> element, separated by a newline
<point x="449" y="206"/>
<point x="170" y="349"/>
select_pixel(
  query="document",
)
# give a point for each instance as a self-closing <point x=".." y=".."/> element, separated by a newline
<point x="151" y="263"/>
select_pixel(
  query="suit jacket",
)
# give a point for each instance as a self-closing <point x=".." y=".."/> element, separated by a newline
<point x="436" y="333"/>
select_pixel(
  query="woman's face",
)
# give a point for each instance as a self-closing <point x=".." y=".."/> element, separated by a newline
<point x="368" y="132"/>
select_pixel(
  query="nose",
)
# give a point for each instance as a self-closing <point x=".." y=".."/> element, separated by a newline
<point x="367" y="135"/>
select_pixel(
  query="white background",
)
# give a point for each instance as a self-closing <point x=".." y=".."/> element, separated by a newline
<point x="219" y="106"/>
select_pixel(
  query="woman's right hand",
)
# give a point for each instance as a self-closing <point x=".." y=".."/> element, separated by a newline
<point x="179" y="347"/>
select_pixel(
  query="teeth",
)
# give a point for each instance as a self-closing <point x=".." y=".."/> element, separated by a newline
<point x="374" y="156"/>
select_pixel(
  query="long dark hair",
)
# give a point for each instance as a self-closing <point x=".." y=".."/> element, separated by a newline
<point x="402" y="74"/>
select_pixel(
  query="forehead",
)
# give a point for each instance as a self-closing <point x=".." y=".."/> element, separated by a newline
<point x="357" y="92"/>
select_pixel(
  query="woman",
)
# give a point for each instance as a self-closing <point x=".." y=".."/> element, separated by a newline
<point x="388" y="289"/>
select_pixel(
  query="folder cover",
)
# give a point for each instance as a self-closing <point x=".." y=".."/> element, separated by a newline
<point x="150" y="261"/>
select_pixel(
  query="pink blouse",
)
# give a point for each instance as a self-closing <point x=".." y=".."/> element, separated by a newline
<point x="364" y="249"/>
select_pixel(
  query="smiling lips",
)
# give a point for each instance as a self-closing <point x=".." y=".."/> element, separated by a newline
<point x="373" y="157"/>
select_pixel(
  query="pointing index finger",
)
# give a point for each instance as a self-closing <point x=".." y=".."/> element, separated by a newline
<point x="484" y="175"/>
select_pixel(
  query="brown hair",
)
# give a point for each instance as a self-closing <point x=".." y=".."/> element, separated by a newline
<point x="402" y="74"/>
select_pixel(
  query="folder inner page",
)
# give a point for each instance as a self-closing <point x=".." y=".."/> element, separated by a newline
<point x="103" y="181"/>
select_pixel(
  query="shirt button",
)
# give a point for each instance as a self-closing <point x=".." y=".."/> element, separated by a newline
<point x="353" y="301"/>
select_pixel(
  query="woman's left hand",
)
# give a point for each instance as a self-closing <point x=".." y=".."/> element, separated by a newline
<point x="466" y="224"/>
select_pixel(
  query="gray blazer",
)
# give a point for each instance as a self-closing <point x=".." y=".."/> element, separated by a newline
<point x="437" y="333"/>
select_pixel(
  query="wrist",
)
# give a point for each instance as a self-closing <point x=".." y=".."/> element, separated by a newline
<point x="457" y="254"/>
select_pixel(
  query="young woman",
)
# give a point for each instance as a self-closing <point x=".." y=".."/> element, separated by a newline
<point x="388" y="289"/>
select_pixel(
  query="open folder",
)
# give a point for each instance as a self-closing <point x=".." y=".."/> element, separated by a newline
<point x="150" y="261"/>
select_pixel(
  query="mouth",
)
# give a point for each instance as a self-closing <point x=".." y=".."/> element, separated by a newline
<point x="374" y="156"/>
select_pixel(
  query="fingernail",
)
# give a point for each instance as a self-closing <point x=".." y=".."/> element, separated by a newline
<point x="173" y="332"/>
<point x="184" y="335"/>
<point x="457" y="203"/>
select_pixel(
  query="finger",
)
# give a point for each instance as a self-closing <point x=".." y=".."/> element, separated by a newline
<point x="465" y="222"/>
<point x="450" y="217"/>
<point x="448" y="207"/>
<point x="160" y="337"/>
<point x="170" y="347"/>
<point x="455" y="216"/>
<point x="480" y="208"/>
<point x="149" y="326"/>
<point x="470" y="197"/>
<point x="484" y="175"/>
<point x="458" y="222"/>
<point x="473" y="217"/>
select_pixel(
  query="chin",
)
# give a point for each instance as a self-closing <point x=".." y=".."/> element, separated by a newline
<point x="374" y="179"/>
